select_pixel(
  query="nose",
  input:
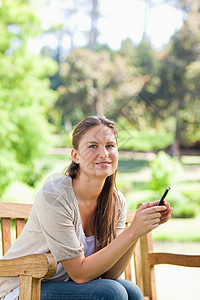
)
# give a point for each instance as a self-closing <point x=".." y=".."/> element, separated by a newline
<point x="103" y="152"/>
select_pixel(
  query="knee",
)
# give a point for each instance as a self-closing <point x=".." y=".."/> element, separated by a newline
<point x="133" y="291"/>
<point x="113" y="290"/>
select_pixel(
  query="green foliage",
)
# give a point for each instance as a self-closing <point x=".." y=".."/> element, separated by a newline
<point x="24" y="96"/>
<point x="144" y="140"/>
<point x="164" y="170"/>
<point x="179" y="79"/>
<point x="183" y="206"/>
<point x="95" y="83"/>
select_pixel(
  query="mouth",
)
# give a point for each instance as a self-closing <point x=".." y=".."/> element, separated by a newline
<point x="103" y="163"/>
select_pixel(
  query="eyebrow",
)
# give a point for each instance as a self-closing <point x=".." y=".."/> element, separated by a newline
<point x="95" y="142"/>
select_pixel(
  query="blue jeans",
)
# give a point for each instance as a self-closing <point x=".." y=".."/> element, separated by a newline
<point x="99" y="289"/>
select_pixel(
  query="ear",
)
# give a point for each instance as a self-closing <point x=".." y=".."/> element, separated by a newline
<point x="74" y="156"/>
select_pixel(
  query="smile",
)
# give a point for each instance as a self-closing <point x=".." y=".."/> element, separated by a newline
<point x="103" y="164"/>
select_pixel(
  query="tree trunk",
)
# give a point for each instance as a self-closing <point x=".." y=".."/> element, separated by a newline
<point x="98" y="107"/>
<point x="175" y="147"/>
<point x="93" y="34"/>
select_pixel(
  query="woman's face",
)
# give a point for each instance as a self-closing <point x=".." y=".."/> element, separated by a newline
<point x="97" y="154"/>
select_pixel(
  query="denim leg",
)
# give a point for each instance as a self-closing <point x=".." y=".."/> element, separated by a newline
<point x="99" y="289"/>
<point x="134" y="292"/>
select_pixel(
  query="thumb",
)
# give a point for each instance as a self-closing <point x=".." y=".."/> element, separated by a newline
<point x="143" y="206"/>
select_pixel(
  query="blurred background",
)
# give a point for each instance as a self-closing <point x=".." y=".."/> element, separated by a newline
<point x="135" y="61"/>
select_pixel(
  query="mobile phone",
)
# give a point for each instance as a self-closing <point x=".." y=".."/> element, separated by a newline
<point x="163" y="196"/>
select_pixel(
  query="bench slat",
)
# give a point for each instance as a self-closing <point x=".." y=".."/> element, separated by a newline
<point x="130" y="215"/>
<point x="174" y="259"/>
<point x="15" y="210"/>
<point x="19" y="226"/>
<point x="6" y="234"/>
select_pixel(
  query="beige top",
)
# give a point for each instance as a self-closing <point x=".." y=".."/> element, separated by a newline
<point x="53" y="227"/>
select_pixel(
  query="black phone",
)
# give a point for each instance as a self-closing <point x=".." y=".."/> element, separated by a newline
<point x="163" y="196"/>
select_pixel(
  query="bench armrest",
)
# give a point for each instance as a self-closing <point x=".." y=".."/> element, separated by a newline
<point x="174" y="259"/>
<point x="34" y="265"/>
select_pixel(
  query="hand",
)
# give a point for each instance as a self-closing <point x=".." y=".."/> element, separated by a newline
<point x="148" y="217"/>
<point x="166" y="214"/>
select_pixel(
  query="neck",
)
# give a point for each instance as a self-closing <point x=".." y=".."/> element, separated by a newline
<point x="88" y="188"/>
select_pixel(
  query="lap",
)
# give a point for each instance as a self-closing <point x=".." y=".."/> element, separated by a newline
<point x="99" y="289"/>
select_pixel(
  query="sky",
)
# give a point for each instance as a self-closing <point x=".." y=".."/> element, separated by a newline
<point x="120" y="19"/>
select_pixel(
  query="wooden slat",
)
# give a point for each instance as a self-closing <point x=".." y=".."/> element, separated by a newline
<point x="175" y="259"/>
<point x="36" y="289"/>
<point x="15" y="210"/>
<point x="19" y="226"/>
<point x="130" y="215"/>
<point x="128" y="272"/>
<point x="138" y="266"/>
<point x="34" y="265"/>
<point x="25" y="287"/>
<point x="148" y="273"/>
<point x="6" y="234"/>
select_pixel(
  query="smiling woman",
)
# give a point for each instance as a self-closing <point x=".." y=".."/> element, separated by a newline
<point x="99" y="149"/>
<point x="80" y="219"/>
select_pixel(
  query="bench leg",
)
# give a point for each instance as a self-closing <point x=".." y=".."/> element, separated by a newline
<point x="29" y="288"/>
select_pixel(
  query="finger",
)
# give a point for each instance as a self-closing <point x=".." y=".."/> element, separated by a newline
<point x="167" y="212"/>
<point x="143" y="206"/>
<point x="154" y="203"/>
<point x="153" y="216"/>
<point x="156" y="221"/>
<point x="162" y="221"/>
<point x="154" y="209"/>
<point x="154" y="226"/>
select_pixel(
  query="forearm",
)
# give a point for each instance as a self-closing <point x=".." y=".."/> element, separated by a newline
<point x="83" y="269"/>
<point x="119" y="267"/>
<point x="93" y="266"/>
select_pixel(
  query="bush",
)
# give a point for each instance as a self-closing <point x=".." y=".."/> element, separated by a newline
<point x="164" y="170"/>
<point x="183" y="207"/>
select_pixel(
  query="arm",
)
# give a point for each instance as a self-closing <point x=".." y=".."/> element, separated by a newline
<point x="83" y="269"/>
<point x="120" y="266"/>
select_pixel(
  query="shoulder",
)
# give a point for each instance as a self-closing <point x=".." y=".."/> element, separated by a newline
<point x="56" y="192"/>
<point x="122" y="206"/>
<point x="120" y="196"/>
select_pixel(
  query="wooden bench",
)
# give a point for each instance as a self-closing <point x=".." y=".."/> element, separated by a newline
<point x="32" y="268"/>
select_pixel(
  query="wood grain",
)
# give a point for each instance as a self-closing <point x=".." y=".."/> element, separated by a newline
<point x="15" y="210"/>
<point x="175" y="259"/>
<point x="6" y="234"/>
<point x="34" y="265"/>
<point x="19" y="226"/>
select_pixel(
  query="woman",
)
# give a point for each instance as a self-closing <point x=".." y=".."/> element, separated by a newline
<point x="80" y="219"/>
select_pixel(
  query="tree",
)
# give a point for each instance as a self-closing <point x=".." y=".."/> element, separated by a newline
<point x="95" y="83"/>
<point x="94" y="32"/>
<point x="176" y="94"/>
<point x="24" y="96"/>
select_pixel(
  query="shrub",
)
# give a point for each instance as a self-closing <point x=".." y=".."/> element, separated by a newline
<point x="163" y="171"/>
<point x="183" y="207"/>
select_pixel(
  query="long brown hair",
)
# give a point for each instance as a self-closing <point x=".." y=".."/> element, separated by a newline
<point x="105" y="216"/>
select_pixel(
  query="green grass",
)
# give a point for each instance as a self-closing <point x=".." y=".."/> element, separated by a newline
<point x="146" y="140"/>
<point x="178" y="230"/>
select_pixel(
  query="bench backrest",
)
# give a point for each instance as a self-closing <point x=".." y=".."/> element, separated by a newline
<point x="144" y="257"/>
<point x="14" y="215"/>
<point x="12" y="211"/>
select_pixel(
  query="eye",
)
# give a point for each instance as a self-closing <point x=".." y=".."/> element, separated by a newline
<point x="110" y="146"/>
<point x="93" y="146"/>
